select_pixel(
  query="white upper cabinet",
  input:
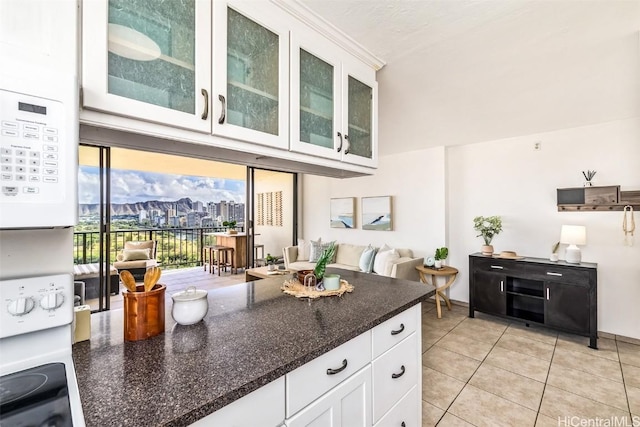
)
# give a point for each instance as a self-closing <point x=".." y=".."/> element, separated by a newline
<point x="148" y="60"/>
<point x="333" y="102"/>
<point x="251" y="72"/>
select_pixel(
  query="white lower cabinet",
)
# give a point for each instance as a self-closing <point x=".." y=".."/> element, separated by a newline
<point x="262" y="407"/>
<point x="404" y="413"/>
<point x="394" y="373"/>
<point x="347" y="405"/>
<point x="373" y="379"/>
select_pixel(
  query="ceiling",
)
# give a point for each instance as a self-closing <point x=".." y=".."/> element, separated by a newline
<point x="467" y="71"/>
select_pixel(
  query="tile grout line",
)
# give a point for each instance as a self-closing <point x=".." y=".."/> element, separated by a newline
<point x="624" y="384"/>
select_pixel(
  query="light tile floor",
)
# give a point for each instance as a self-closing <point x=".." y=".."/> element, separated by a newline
<point x="487" y="371"/>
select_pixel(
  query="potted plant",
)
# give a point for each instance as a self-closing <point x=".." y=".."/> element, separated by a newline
<point x="554" y="252"/>
<point x="318" y="271"/>
<point x="488" y="227"/>
<point x="271" y="262"/>
<point x="441" y="255"/>
<point x="230" y="226"/>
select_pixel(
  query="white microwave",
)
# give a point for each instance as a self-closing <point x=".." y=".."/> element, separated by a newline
<point x="38" y="151"/>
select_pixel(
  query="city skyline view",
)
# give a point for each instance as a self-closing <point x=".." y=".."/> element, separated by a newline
<point x="131" y="186"/>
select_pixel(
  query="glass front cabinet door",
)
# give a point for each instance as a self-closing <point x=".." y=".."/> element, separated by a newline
<point x="149" y="60"/>
<point x="333" y="103"/>
<point x="251" y="73"/>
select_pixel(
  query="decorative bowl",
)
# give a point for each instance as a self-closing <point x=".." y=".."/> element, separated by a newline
<point x="189" y="306"/>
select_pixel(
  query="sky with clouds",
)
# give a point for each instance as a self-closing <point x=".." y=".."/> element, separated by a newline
<point x="129" y="186"/>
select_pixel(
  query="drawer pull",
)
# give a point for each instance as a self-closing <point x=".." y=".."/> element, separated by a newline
<point x="501" y="285"/>
<point x="394" y="376"/>
<point x="549" y="273"/>
<point x="403" y="424"/>
<point x="340" y="369"/>
<point x="497" y="267"/>
<point x="399" y="331"/>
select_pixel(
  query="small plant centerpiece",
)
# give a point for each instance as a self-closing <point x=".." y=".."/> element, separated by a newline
<point x="231" y="225"/>
<point x="441" y="255"/>
<point x="488" y="227"/>
<point x="318" y="271"/>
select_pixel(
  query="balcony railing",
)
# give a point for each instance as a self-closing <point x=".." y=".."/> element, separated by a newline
<point x="176" y="247"/>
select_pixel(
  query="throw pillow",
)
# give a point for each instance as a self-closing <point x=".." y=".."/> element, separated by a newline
<point x="304" y="247"/>
<point x="382" y="258"/>
<point x="135" y="254"/>
<point x="366" y="259"/>
<point x="317" y="248"/>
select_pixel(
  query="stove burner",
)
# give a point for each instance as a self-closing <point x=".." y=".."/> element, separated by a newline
<point x="15" y="388"/>
<point x="35" y="397"/>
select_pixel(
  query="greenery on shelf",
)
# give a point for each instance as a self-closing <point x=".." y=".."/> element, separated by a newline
<point x="554" y="248"/>
<point x="325" y="258"/>
<point x="442" y="253"/>
<point x="230" y="224"/>
<point x="488" y="227"/>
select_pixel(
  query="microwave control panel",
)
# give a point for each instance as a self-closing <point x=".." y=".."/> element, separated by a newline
<point x="38" y="153"/>
<point x="32" y="137"/>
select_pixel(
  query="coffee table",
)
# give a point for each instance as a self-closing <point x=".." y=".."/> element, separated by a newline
<point x="258" y="273"/>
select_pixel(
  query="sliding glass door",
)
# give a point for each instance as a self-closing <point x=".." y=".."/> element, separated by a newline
<point x="92" y="260"/>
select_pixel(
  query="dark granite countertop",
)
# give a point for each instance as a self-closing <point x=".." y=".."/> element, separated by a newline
<point x="252" y="335"/>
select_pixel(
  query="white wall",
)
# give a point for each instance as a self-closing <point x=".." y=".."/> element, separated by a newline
<point x="274" y="238"/>
<point x="415" y="182"/>
<point x="510" y="179"/>
<point x="437" y="194"/>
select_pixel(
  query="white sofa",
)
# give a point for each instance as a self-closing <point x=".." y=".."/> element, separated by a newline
<point x="348" y="257"/>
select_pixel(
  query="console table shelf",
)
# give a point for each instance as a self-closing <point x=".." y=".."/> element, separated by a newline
<point x="557" y="295"/>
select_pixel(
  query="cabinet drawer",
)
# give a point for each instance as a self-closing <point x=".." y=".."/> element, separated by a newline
<point x="311" y="380"/>
<point x="394" y="373"/>
<point x="498" y="265"/>
<point x="406" y="411"/>
<point x="389" y="333"/>
<point x="560" y="274"/>
<point x="266" y="406"/>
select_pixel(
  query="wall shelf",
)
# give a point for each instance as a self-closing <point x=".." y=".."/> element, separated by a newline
<point x="596" y="199"/>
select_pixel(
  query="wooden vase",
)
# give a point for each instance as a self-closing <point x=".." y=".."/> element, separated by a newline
<point x="143" y="313"/>
<point x="487" y="250"/>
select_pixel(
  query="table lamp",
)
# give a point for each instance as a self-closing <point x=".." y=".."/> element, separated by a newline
<point x="573" y="235"/>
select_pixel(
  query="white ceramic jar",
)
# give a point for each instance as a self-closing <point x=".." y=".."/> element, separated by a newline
<point x="189" y="306"/>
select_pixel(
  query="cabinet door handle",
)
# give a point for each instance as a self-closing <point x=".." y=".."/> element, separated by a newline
<point x="223" y="113"/>
<point x="501" y="285"/>
<point x="497" y="267"/>
<point x="547" y="294"/>
<point x="340" y="369"/>
<point x="346" y="138"/>
<point x="398" y="331"/>
<point x="549" y="273"/>
<point x="205" y="111"/>
<point x="340" y="147"/>
<point x="394" y="376"/>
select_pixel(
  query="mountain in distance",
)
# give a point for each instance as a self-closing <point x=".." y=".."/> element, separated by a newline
<point x="184" y="205"/>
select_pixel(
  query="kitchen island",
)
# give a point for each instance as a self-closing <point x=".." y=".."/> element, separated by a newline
<point x="252" y="335"/>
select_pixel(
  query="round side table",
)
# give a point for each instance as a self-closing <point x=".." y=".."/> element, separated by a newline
<point x="446" y="271"/>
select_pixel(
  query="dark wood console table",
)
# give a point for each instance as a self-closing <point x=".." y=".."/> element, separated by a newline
<point x="558" y="295"/>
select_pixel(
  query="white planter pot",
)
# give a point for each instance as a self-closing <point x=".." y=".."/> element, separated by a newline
<point x="438" y="263"/>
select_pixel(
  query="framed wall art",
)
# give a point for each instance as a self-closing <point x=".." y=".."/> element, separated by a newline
<point x="343" y="212"/>
<point x="376" y="213"/>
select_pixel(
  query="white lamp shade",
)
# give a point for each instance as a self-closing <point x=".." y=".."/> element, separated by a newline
<point x="573" y="234"/>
